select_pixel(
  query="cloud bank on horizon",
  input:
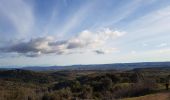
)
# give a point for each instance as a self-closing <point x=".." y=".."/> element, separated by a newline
<point x="49" y="32"/>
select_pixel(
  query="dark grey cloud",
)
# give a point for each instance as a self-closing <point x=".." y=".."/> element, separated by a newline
<point x="72" y="45"/>
<point x="32" y="48"/>
<point x="21" y="48"/>
<point x="99" y="52"/>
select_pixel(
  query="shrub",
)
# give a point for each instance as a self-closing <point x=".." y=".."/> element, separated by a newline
<point x="136" y="89"/>
<point x="63" y="94"/>
<point x="106" y="83"/>
<point x="87" y="92"/>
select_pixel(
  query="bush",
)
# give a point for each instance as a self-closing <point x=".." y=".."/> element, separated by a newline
<point x="63" y="94"/>
<point x="87" y="92"/>
<point x="136" y="89"/>
<point x="106" y="83"/>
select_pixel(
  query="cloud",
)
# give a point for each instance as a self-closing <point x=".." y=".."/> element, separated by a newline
<point x="147" y="28"/>
<point x="19" y="14"/>
<point x="150" y="23"/>
<point x="86" y="40"/>
<point x="93" y="39"/>
<point x="132" y="6"/>
<point x="105" y="50"/>
<point x="162" y="45"/>
<point x="34" y="47"/>
<point x="77" y="17"/>
<point x="99" y="52"/>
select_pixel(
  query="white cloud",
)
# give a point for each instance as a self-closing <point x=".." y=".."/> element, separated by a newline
<point x="150" y="24"/>
<point x="19" y="14"/>
<point x="145" y="44"/>
<point x="119" y="13"/>
<point x="77" y="17"/>
<point x="133" y="52"/>
<point x="162" y="45"/>
<point x="152" y="27"/>
<point x="85" y="41"/>
<point x="94" y="39"/>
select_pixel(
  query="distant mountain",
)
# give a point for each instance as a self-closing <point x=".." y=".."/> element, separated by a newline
<point x="118" y="66"/>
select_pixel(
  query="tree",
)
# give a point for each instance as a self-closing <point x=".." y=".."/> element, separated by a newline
<point x="106" y="83"/>
<point x="87" y="92"/>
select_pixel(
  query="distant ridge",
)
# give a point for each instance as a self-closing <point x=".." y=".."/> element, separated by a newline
<point x="116" y="66"/>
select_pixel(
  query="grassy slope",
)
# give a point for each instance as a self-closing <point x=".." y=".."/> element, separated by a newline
<point x="157" y="96"/>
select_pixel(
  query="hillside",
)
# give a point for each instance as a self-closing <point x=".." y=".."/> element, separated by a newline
<point x="157" y="96"/>
<point x="20" y="84"/>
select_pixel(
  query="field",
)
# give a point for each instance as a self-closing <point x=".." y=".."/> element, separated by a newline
<point x="135" y="84"/>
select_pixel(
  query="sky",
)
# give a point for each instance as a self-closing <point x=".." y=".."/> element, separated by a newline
<point x="68" y="32"/>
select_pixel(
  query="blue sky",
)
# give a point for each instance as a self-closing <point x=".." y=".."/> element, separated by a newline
<point x="66" y="32"/>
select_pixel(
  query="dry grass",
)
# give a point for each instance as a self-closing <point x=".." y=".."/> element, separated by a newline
<point x="157" y="96"/>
